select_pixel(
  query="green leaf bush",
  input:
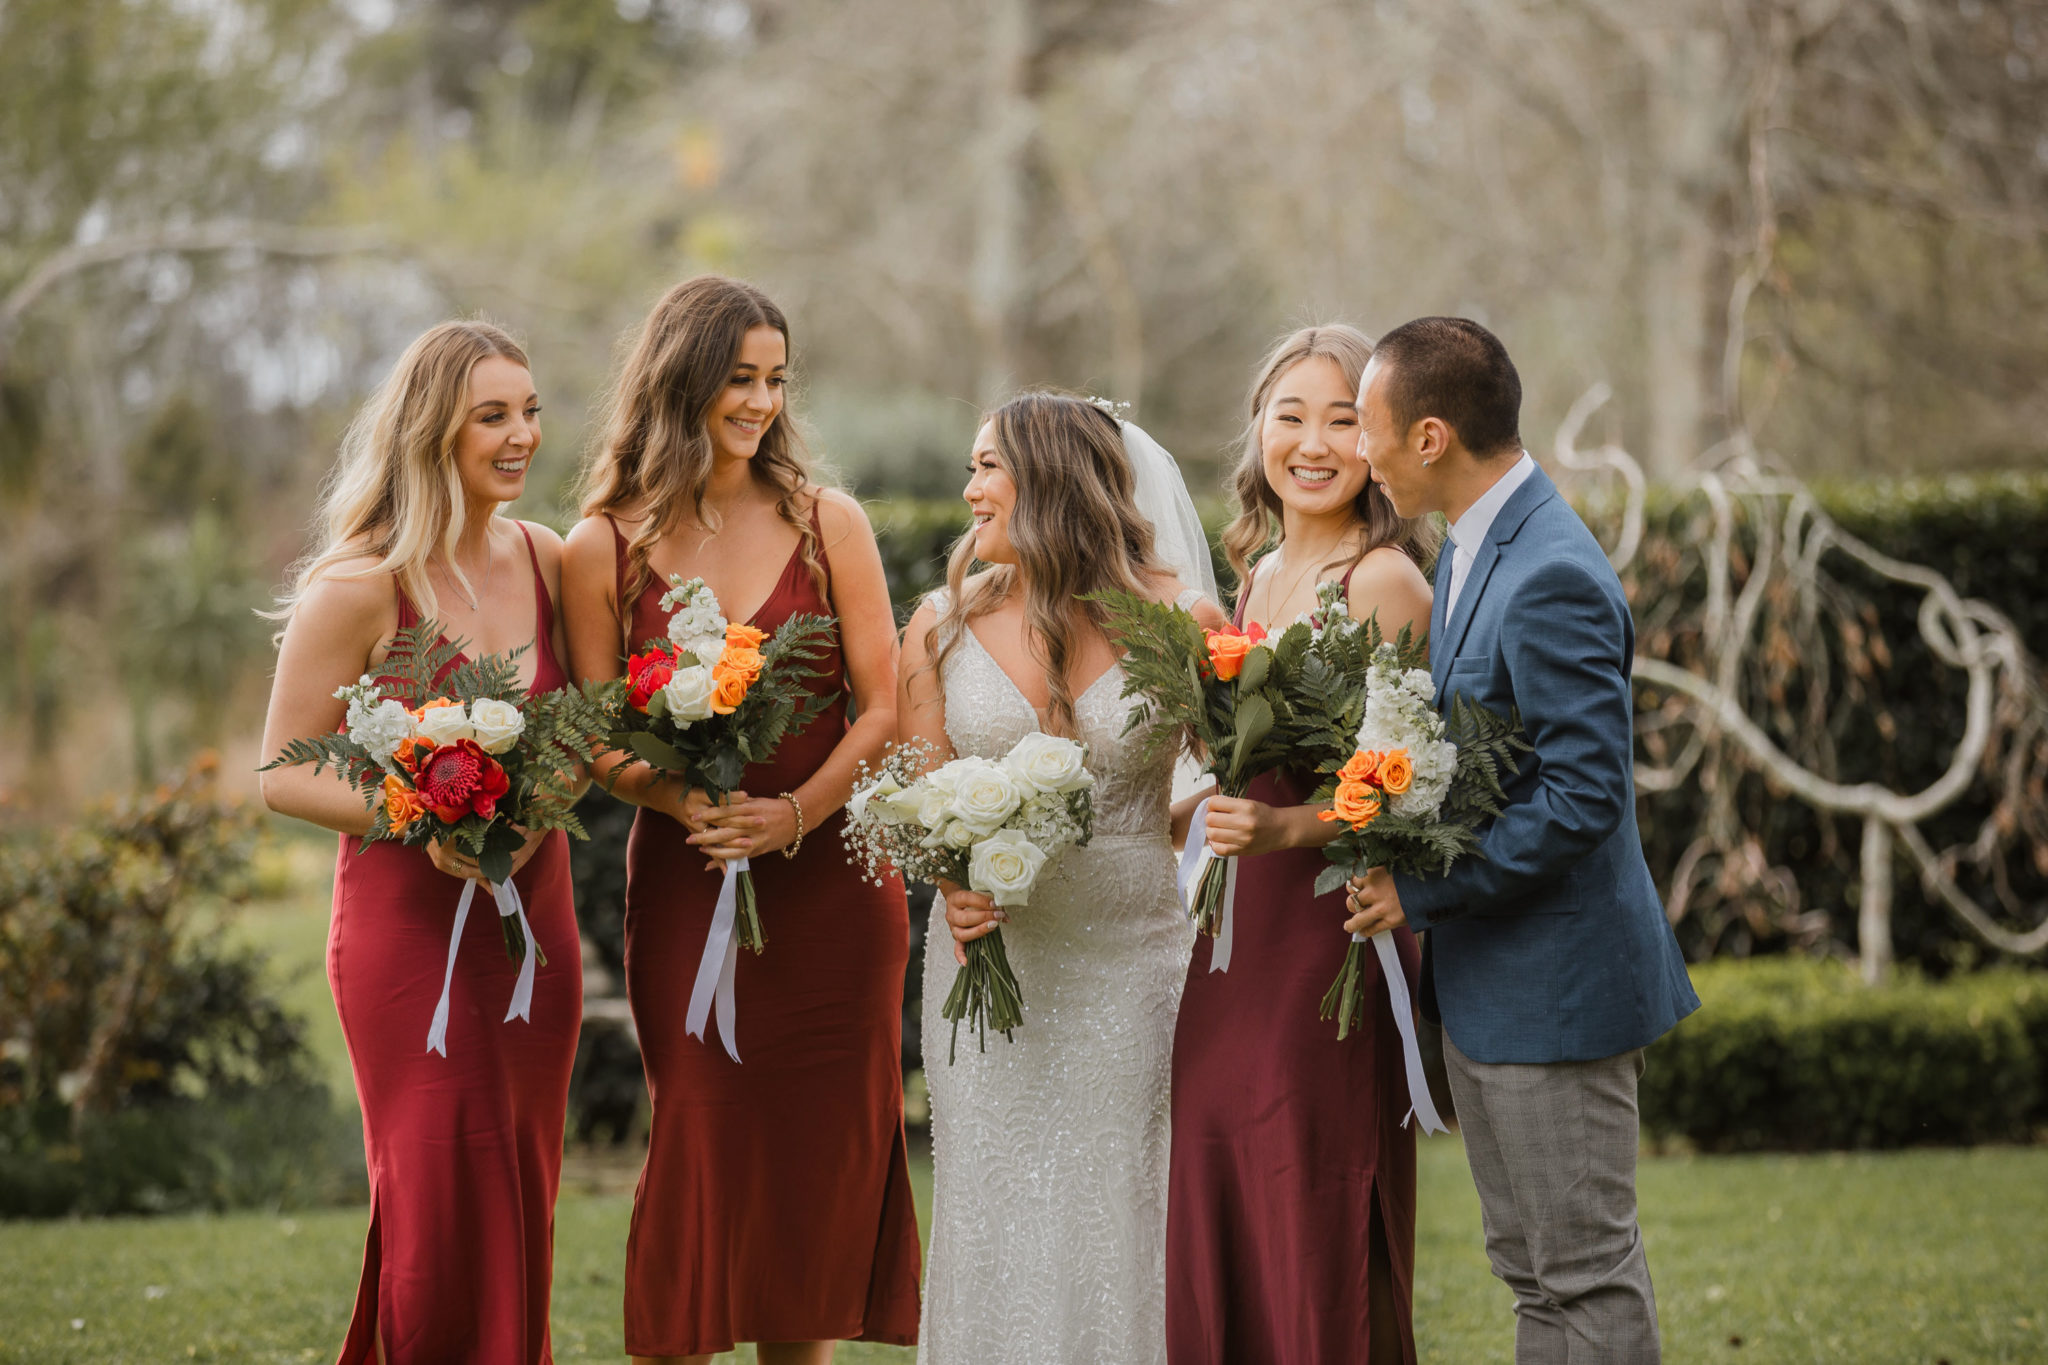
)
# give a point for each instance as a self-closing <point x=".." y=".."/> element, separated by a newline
<point x="144" y="1063"/>
<point x="1795" y="1053"/>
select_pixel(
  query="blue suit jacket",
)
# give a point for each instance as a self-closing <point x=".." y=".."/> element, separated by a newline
<point x="1553" y="946"/>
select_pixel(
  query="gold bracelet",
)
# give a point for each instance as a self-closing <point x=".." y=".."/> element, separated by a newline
<point x="790" y="797"/>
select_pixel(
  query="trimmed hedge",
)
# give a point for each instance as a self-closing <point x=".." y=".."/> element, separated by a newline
<point x="1796" y="1053"/>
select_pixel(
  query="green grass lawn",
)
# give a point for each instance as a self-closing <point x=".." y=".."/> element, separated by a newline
<point x="1903" y="1257"/>
<point x="1908" y="1257"/>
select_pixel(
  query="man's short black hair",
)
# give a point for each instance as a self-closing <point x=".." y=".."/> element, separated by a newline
<point x="1454" y="370"/>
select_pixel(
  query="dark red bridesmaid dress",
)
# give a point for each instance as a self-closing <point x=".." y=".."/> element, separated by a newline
<point x="465" y="1151"/>
<point x="775" y="1204"/>
<point x="1284" y="1138"/>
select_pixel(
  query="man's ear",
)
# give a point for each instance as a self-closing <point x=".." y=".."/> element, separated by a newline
<point x="1432" y="437"/>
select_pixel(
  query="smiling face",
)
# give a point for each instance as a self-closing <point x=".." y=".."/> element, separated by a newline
<point x="500" y="432"/>
<point x="752" y="397"/>
<point x="1396" y="457"/>
<point x="992" y="496"/>
<point x="1308" y="439"/>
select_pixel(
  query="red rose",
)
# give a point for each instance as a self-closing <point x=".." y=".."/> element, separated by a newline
<point x="648" y="673"/>
<point x="461" y="779"/>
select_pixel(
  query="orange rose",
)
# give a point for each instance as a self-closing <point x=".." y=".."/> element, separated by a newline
<point x="433" y="705"/>
<point x="742" y="659"/>
<point x="739" y="633"/>
<point x="1356" y="804"/>
<point x="1363" y="766"/>
<point x="412" y="751"/>
<point x="402" y="805"/>
<point x="1227" y="648"/>
<point x="731" y="690"/>
<point x="1397" y="770"/>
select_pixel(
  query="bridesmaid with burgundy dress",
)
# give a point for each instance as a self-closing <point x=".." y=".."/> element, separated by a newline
<point x="465" y="1150"/>
<point x="1290" y="1234"/>
<point x="775" y="1204"/>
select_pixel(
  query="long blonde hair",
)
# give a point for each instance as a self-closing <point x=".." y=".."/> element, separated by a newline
<point x="1258" y="520"/>
<point x="1076" y="529"/>
<point x="395" y="494"/>
<point x="654" y="456"/>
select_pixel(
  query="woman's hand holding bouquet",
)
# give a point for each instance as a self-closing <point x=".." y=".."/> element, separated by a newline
<point x="451" y="754"/>
<point x="990" y="826"/>
<point x="702" y="705"/>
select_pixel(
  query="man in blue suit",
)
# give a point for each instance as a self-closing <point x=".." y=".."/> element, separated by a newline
<point x="1547" y="955"/>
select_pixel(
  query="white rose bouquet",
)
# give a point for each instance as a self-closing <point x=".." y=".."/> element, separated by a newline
<point x="989" y="825"/>
<point x="448" y="748"/>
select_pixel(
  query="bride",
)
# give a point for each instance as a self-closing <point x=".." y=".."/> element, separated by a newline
<point x="1049" y="1153"/>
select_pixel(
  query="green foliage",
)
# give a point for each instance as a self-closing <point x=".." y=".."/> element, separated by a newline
<point x="714" y="754"/>
<point x="1797" y="1053"/>
<point x="144" y="1063"/>
<point x="562" y="731"/>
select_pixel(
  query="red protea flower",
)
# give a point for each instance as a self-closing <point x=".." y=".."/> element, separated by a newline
<point x="461" y="779"/>
<point x="648" y="673"/>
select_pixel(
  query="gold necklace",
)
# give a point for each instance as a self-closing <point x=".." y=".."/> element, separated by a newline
<point x="475" y="600"/>
<point x="1300" y="574"/>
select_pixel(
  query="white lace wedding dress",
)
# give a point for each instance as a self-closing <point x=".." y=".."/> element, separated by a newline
<point x="1049" y="1153"/>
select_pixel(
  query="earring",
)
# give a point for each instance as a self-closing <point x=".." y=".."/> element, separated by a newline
<point x="1425" y="464"/>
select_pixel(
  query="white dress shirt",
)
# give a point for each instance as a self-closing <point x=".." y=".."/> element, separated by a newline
<point x="1468" y="532"/>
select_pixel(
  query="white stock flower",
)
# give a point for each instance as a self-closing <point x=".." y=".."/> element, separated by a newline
<point x="697" y="627"/>
<point x="1047" y="763"/>
<point x="379" y="727"/>
<point x="1004" y="866"/>
<point x="498" y="724"/>
<point x="689" y="692"/>
<point x="984" y="794"/>
<point x="446" y="724"/>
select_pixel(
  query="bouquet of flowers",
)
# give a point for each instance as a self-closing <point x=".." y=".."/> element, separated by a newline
<point x="701" y="705"/>
<point x="1412" y="795"/>
<point x="1250" y="703"/>
<point x="989" y="825"/>
<point x="469" y="760"/>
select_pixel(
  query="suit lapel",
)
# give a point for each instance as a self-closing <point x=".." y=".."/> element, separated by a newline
<point x="1437" y="656"/>
<point x="1445" y="641"/>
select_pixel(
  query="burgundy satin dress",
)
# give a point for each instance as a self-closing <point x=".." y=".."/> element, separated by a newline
<point x="465" y="1151"/>
<point x="1284" y="1138"/>
<point x="775" y="1204"/>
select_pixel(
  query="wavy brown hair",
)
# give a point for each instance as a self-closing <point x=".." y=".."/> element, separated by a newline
<point x="653" y="455"/>
<point x="1258" y="521"/>
<point x="1076" y="529"/>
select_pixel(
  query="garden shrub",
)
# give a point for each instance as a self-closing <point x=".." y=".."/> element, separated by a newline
<point x="144" y="1064"/>
<point x="1796" y="1053"/>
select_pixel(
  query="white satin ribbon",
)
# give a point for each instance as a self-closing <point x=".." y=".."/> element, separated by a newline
<point x="1420" y="1105"/>
<point x="509" y="903"/>
<point x="716" y="969"/>
<point x="1195" y="858"/>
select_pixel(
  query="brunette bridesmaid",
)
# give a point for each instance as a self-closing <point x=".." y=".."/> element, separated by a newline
<point x="465" y="1150"/>
<point x="775" y="1204"/>
<point x="1291" y="1200"/>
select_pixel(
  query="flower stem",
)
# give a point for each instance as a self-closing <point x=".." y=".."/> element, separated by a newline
<point x="985" y="994"/>
<point x="1344" y="1001"/>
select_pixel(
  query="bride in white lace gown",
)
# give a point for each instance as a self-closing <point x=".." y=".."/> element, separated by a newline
<point x="1050" y="1151"/>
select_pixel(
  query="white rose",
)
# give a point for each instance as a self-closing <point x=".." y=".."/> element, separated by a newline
<point x="689" y="692"/>
<point x="958" y="834"/>
<point x="1048" y="763"/>
<point x="934" y="805"/>
<point x="1004" y="866"/>
<point x="498" y="724"/>
<point x="984" y="795"/>
<point x="379" y="727"/>
<point x="446" y="724"/>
